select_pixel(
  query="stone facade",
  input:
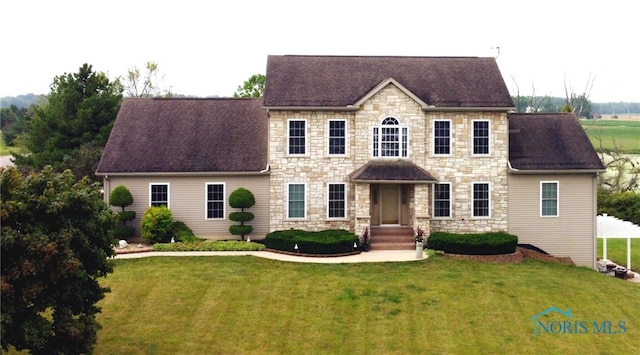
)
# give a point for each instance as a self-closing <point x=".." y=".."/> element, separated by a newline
<point x="316" y="168"/>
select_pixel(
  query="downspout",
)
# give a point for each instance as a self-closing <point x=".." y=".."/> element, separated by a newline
<point x="267" y="168"/>
<point x="594" y="192"/>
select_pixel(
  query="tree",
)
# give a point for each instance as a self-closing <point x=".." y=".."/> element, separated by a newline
<point x="72" y="128"/>
<point x="121" y="197"/>
<point x="12" y="123"/>
<point x="241" y="198"/>
<point x="578" y="103"/>
<point x="56" y="243"/>
<point x="254" y="87"/>
<point x="147" y="84"/>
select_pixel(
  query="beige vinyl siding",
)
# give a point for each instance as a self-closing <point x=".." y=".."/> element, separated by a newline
<point x="187" y="201"/>
<point x="572" y="233"/>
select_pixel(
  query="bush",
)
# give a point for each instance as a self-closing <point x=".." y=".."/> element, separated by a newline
<point x="209" y="245"/>
<point x="182" y="233"/>
<point x="123" y="232"/>
<point x="473" y="244"/>
<point x="121" y="197"/>
<point x="332" y="241"/>
<point x="157" y="225"/>
<point x="241" y="198"/>
<point x="126" y="216"/>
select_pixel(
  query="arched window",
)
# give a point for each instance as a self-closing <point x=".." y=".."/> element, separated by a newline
<point x="390" y="139"/>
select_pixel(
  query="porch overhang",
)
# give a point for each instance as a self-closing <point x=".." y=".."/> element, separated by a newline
<point x="391" y="171"/>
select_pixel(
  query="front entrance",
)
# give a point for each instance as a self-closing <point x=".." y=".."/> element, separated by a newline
<point x="389" y="204"/>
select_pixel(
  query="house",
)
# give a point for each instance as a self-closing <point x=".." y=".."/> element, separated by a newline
<point x="389" y="143"/>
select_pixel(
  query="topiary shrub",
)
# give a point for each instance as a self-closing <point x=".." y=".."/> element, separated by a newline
<point x="491" y="243"/>
<point x="241" y="198"/>
<point x="121" y="197"/>
<point x="331" y="241"/>
<point x="157" y="225"/>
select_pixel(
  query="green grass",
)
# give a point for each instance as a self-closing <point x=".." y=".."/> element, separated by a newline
<point x="6" y="150"/>
<point x="617" y="252"/>
<point x="250" y="305"/>
<point x="625" y="133"/>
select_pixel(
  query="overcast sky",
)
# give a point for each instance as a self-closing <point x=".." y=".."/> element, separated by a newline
<point x="208" y="48"/>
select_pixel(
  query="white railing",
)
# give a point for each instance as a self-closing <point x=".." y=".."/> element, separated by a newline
<point x="610" y="227"/>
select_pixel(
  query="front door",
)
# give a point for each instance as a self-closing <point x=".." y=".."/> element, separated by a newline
<point x="389" y="213"/>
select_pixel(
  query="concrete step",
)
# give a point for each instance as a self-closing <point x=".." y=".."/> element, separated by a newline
<point x="392" y="238"/>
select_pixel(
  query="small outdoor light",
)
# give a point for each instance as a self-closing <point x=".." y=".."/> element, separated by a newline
<point x="248" y="239"/>
<point x="355" y="245"/>
<point x="295" y="247"/>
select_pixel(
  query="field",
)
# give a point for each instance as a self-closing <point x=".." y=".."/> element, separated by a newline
<point x="625" y="132"/>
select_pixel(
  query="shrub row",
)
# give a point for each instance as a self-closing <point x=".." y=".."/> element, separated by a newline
<point x="210" y="245"/>
<point x="331" y="241"/>
<point x="490" y="243"/>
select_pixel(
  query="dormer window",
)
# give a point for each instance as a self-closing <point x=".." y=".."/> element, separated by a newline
<point x="390" y="139"/>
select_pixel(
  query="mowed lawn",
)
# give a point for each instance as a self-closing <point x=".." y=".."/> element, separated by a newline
<point x="251" y="305"/>
<point x="626" y="134"/>
<point x="617" y="251"/>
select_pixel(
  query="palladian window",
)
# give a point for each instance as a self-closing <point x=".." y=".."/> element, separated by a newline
<point x="390" y="139"/>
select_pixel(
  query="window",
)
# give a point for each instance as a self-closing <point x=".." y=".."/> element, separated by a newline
<point x="390" y="139"/>
<point x="297" y="137"/>
<point x="336" y="203"/>
<point x="215" y="201"/>
<point x="337" y="137"/>
<point x="159" y="195"/>
<point x="442" y="200"/>
<point x="480" y="137"/>
<point x="296" y="201"/>
<point x="549" y="199"/>
<point x="442" y="137"/>
<point x="481" y="200"/>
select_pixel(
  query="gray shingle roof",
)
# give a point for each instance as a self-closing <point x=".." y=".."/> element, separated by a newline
<point x="187" y="135"/>
<point x="339" y="81"/>
<point x="391" y="170"/>
<point x="550" y="141"/>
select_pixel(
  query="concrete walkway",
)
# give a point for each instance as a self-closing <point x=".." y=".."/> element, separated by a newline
<point x="371" y="256"/>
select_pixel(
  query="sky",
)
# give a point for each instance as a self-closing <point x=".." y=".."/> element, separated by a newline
<point x="209" y="48"/>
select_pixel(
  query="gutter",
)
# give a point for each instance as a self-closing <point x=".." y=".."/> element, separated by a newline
<point x="514" y="171"/>
<point x="356" y="108"/>
<point x="205" y="173"/>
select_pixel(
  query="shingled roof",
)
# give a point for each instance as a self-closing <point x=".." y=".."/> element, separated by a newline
<point x="391" y="171"/>
<point x="340" y="81"/>
<point x="187" y="135"/>
<point x="550" y="141"/>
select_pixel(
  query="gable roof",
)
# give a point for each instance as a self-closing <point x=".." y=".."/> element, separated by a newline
<point x="550" y="141"/>
<point x="341" y="81"/>
<point x="187" y="135"/>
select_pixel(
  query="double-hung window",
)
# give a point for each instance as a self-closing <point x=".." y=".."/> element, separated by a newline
<point x="159" y="194"/>
<point x="481" y="137"/>
<point x="390" y="139"/>
<point x="336" y="201"/>
<point x="481" y="199"/>
<point x="337" y="137"/>
<point x="442" y="137"/>
<point x="296" y="200"/>
<point x="215" y="200"/>
<point x="549" y="198"/>
<point x="297" y="137"/>
<point x="442" y="200"/>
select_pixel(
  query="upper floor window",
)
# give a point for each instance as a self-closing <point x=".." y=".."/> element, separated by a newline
<point x="549" y="199"/>
<point x="337" y="137"/>
<point x="442" y="200"/>
<point x="442" y="137"/>
<point x="336" y="201"/>
<point x="297" y="137"/>
<point x="296" y="200"/>
<point x="390" y="139"/>
<point x="481" y="199"/>
<point x="159" y="194"/>
<point x="215" y="200"/>
<point x="481" y="137"/>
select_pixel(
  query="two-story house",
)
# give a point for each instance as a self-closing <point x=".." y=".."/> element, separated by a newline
<point x="388" y="143"/>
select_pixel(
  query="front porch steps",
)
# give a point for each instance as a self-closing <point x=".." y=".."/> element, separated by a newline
<point x="392" y="238"/>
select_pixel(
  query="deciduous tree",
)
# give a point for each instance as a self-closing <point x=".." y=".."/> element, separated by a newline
<point x="254" y="87"/>
<point x="145" y="84"/>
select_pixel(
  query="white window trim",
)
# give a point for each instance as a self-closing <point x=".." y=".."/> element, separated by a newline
<point x="306" y="201"/>
<point x="168" y="192"/>
<point x="433" y="138"/>
<point x="346" y="194"/>
<point x="472" y="145"/>
<point x="306" y="137"/>
<point x="400" y="127"/>
<point x="206" y="201"/>
<point x="557" y="199"/>
<point x="346" y="137"/>
<point x="433" y="201"/>
<point x="472" y="200"/>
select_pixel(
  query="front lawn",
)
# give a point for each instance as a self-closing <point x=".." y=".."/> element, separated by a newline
<point x="617" y="251"/>
<point x="250" y="305"/>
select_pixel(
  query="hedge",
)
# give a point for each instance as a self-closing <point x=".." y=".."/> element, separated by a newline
<point x="331" y="241"/>
<point x="490" y="243"/>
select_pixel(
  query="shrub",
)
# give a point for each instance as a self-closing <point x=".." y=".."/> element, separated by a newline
<point x="123" y="232"/>
<point x="121" y="197"/>
<point x="473" y="244"/>
<point x="182" y="233"/>
<point x="332" y="241"/>
<point x="209" y="245"/>
<point x="241" y="198"/>
<point x="157" y="225"/>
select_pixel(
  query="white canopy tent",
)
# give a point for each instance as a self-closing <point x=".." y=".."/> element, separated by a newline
<point x="612" y="227"/>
